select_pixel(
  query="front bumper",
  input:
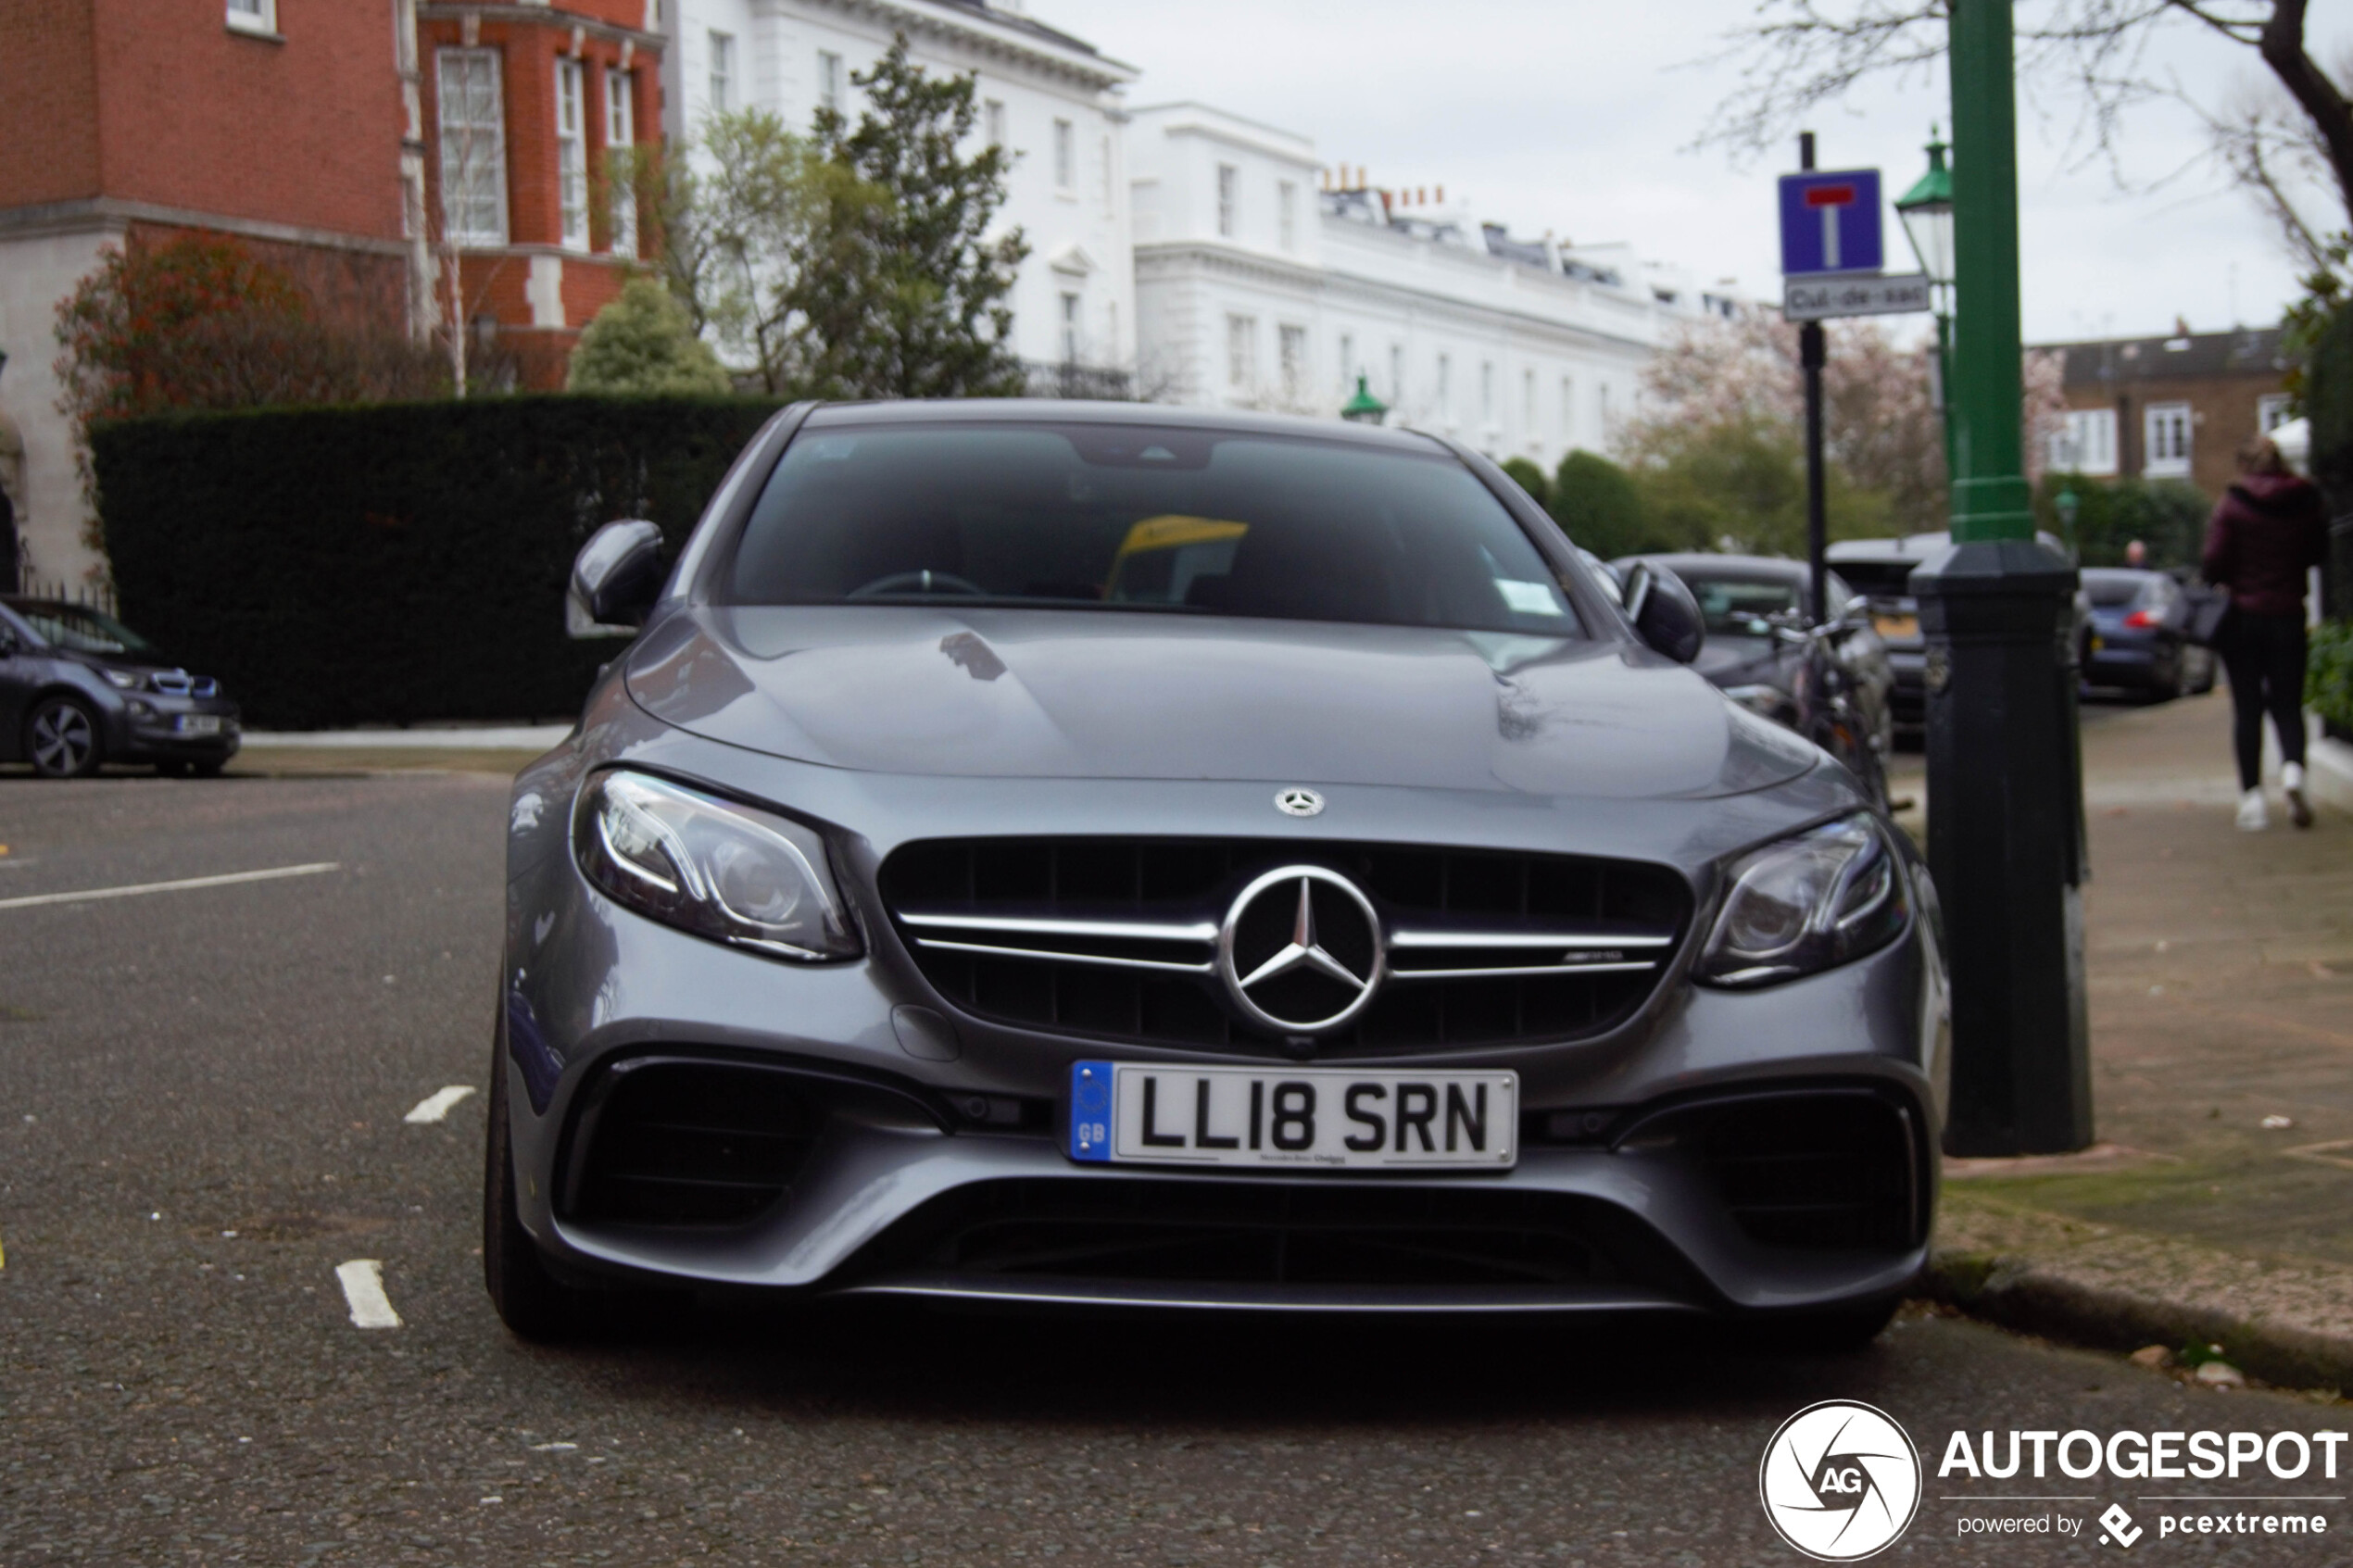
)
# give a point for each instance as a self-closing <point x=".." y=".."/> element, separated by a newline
<point x="896" y="1155"/>
<point x="153" y="727"/>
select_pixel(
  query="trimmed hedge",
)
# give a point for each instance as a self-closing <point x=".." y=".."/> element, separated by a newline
<point x="395" y="562"/>
<point x="2328" y="675"/>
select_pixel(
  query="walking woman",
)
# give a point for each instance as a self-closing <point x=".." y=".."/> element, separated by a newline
<point x="2269" y="530"/>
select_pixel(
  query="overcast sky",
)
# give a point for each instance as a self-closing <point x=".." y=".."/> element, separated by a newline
<point x="1578" y="116"/>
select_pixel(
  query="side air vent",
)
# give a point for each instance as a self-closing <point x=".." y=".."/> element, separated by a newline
<point x="1835" y="1170"/>
<point x="672" y="1143"/>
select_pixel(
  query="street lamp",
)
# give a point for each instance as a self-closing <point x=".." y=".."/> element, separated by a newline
<point x="1927" y="213"/>
<point x="1364" y="409"/>
<point x="2004" y="783"/>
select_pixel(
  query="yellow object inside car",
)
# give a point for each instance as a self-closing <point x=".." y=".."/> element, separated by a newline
<point x="1171" y="531"/>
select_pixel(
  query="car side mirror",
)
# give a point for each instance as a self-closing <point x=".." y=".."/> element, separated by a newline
<point x="615" y="580"/>
<point x="7" y="641"/>
<point x="1663" y="612"/>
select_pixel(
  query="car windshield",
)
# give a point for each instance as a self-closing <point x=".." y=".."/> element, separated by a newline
<point x="79" y="630"/>
<point x="1881" y="579"/>
<point x="2107" y="591"/>
<point x="1144" y="519"/>
<point x="1737" y="607"/>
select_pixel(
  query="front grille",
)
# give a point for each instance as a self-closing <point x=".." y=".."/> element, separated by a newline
<point x="687" y="1142"/>
<point x="1237" y="1232"/>
<point x="1836" y="1170"/>
<point x="1116" y="938"/>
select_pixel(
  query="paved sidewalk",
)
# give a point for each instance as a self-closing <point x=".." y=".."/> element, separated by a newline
<point x="2220" y="966"/>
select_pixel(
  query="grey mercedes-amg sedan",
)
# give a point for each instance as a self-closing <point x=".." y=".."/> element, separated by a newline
<point x="1108" y="855"/>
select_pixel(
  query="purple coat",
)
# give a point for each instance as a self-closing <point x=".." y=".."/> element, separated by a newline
<point x="2267" y="531"/>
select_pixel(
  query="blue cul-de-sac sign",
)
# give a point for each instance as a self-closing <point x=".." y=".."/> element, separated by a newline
<point x="1829" y="223"/>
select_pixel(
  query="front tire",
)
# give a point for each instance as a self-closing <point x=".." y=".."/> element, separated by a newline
<point x="530" y="1301"/>
<point x="63" y="739"/>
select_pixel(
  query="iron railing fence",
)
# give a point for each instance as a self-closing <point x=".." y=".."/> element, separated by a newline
<point x="31" y="584"/>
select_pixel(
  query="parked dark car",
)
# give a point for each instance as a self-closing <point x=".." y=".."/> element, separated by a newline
<point x="1115" y="856"/>
<point x="1757" y="608"/>
<point x="1881" y="570"/>
<point x="78" y="688"/>
<point x="2138" y="639"/>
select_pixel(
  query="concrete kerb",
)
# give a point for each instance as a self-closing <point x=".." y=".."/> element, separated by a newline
<point x="2289" y="1322"/>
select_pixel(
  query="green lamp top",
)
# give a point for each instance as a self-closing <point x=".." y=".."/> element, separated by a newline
<point x="1363" y="406"/>
<point x="1934" y="186"/>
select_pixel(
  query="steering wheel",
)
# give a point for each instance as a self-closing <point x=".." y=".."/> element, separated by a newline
<point x="924" y="582"/>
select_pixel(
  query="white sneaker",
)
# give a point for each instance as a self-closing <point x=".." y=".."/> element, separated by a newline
<point x="2253" y="818"/>
<point x="2299" y="810"/>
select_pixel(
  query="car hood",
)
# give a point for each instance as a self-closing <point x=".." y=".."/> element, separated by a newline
<point x="1075" y="694"/>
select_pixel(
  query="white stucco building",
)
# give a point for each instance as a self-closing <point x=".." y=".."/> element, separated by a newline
<point x="1257" y="287"/>
<point x="1049" y="98"/>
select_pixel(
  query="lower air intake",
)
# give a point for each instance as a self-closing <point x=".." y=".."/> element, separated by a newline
<point x="1248" y="1233"/>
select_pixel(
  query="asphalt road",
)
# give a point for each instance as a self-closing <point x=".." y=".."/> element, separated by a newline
<point x="202" y="1096"/>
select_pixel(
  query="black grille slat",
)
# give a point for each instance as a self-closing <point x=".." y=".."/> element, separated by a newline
<point x="1184" y="881"/>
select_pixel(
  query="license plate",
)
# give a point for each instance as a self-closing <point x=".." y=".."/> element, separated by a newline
<point x="1904" y="626"/>
<point x="1333" y="1118"/>
<point x="198" y="724"/>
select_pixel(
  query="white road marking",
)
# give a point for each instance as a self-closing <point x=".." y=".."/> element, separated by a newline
<point x="435" y="1106"/>
<point x="363" y="1286"/>
<point x="182" y="885"/>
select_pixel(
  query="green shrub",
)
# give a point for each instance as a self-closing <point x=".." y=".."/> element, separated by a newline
<point x="2328" y="674"/>
<point x="396" y="563"/>
<point x="643" y="344"/>
<point x="1596" y="504"/>
<point x="2167" y="515"/>
<point x="1530" y="478"/>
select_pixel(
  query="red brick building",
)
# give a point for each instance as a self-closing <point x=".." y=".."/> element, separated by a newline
<point x="324" y="136"/>
<point x="2170" y="407"/>
<point x="523" y="106"/>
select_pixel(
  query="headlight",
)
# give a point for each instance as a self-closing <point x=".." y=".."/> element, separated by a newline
<point x="730" y="872"/>
<point x="120" y="680"/>
<point x="1768" y="702"/>
<point x="1827" y="895"/>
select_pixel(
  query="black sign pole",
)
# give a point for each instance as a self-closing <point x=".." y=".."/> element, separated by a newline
<point x="1811" y="352"/>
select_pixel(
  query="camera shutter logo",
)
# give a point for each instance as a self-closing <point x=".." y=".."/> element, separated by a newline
<point x="1839" y="1481"/>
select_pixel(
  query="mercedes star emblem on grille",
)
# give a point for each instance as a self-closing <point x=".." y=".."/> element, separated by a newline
<point x="1301" y="951"/>
<point x="1298" y="802"/>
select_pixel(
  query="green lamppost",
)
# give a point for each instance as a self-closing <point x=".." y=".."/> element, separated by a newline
<point x="1927" y="213"/>
<point x="1364" y="409"/>
<point x="2004" y="786"/>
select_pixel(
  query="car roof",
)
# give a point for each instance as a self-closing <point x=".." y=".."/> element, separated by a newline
<point x="1912" y="547"/>
<point x="1776" y="568"/>
<point x="1058" y="411"/>
<point x="2123" y="574"/>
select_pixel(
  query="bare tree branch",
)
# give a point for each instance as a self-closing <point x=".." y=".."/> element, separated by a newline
<point x="2090" y="56"/>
